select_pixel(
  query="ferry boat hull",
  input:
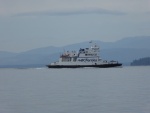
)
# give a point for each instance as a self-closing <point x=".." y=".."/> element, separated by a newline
<point x="82" y="66"/>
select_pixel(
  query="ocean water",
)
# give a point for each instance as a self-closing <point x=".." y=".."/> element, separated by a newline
<point x="84" y="90"/>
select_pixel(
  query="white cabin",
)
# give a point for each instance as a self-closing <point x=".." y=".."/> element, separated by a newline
<point x="87" y="56"/>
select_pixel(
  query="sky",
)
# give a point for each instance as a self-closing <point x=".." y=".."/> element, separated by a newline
<point x="29" y="24"/>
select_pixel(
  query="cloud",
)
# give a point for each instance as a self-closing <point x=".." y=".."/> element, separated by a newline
<point x="71" y="12"/>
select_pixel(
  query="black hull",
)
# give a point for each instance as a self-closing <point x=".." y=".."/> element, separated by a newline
<point x="81" y="66"/>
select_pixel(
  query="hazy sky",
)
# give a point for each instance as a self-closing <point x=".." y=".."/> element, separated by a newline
<point x="28" y="24"/>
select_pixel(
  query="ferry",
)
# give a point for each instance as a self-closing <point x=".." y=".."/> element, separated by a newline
<point x="87" y="57"/>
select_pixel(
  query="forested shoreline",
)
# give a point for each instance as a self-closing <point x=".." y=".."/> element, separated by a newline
<point x="141" y="62"/>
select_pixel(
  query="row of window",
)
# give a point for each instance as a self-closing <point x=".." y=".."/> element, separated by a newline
<point x="88" y="60"/>
<point x="90" y="54"/>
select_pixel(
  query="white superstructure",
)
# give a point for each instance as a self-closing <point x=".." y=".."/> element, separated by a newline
<point x="88" y="56"/>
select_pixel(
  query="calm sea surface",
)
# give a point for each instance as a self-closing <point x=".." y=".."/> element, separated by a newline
<point x="86" y="90"/>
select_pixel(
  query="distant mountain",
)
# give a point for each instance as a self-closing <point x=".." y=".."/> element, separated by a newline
<point x="125" y="51"/>
<point x="130" y="42"/>
<point x="134" y="42"/>
<point x="124" y="55"/>
<point x="4" y="54"/>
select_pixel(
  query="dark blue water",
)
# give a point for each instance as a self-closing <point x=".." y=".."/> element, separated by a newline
<point x="86" y="90"/>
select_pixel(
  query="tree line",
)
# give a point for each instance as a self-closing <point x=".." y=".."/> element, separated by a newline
<point x="141" y="62"/>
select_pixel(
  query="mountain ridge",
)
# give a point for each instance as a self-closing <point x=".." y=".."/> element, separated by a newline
<point x="125" y="51"/>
